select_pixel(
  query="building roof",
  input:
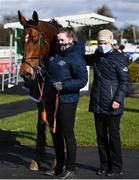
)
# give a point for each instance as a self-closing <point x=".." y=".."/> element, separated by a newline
<point x="74" y="20"/>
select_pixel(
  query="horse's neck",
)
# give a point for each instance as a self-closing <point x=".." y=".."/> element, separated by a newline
<point x="47" y="26"/>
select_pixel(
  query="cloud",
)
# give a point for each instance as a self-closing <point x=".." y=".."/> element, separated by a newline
<point x="125" y="12"/>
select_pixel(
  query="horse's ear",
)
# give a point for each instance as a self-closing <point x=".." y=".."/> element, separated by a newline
<point x="22" y="19"/>
<point x="35" y="17"/>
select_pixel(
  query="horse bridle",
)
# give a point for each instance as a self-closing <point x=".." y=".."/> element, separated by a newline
<point x="42" y="41"/>
<point x="39" y="58"/>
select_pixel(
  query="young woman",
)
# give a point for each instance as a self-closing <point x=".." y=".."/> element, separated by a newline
<point x="68" y="70"/>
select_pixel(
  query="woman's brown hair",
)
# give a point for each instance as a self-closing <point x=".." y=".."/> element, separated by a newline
<point x="70" y="32"/>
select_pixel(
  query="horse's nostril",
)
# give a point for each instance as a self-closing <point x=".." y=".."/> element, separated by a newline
<point x="28" y="76"/>
<point x="21" y="74"/>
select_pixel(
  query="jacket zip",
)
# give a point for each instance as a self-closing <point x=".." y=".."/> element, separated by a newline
<point x="99" y="75"/>
<point x="98" y="96"/>
<point x="111" y="93"/>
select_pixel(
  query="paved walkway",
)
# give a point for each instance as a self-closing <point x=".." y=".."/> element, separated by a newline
<point x="14" y="163"/>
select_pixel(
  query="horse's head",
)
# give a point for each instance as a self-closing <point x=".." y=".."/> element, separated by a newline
<point x="37" y="42"/>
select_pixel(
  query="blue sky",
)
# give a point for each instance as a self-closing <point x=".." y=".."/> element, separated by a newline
<point x="126" y="12"/>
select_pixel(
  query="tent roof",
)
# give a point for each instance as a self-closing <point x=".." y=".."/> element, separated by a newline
<point x="74" y="20"/>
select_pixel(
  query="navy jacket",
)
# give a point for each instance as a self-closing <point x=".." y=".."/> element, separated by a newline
<point x="111" y="79"/>
<point x="68" y="67"/>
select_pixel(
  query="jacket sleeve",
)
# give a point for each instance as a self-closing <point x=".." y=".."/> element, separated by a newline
<point x="91" y="58"/>
<point x="78" y="73"/>
<point x="123" y="79"/>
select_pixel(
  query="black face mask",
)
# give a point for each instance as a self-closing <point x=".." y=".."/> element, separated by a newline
<point x="64" y="47"/>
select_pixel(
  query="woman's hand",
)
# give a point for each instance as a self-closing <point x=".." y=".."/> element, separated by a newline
<point x="58" y="85"/>
<point x="115" y="105"/>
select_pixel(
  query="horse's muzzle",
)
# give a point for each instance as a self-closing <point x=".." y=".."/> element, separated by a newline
<point x="27" y="76"/>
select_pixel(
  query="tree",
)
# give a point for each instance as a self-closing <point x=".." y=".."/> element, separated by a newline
<point x="131" y="33"/>
<point x="8" y="18"/>
<point x="4" y="33"/>
<point x="4" y="36"/>
<point x="105" y="11"/>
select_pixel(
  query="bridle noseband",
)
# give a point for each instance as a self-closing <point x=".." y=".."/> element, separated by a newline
<point x="43" y="41"/>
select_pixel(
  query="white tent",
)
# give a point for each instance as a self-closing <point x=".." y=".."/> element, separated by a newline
<point x="74" y="20"/>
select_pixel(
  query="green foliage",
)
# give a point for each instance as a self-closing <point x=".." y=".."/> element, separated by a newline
<point x="134" y="72"/>
<point x="128" y="33"/>
<point x="105" y="11"/>
<point x="137" y="61"/>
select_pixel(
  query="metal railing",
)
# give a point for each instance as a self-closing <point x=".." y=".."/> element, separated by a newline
<point x="10" y="77"/>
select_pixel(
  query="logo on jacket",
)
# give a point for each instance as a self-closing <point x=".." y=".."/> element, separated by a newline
<point x="51" y="58"/>
<point x="125" y="69"/>
<point x="62" y="63"/>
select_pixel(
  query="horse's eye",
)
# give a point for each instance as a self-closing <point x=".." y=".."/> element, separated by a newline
<point x="35" y="41"/>
<point x="41" y="39"/>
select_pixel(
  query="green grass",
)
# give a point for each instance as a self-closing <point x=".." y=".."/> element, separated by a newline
<point x="84" y="127"/>
<point x="130" y="123"/>
<point x="5" y="99"/>
<point x="21" y="129"/>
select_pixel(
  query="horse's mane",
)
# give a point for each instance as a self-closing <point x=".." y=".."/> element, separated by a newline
<point x="56" y="23"/>
<point x="53" y="22"/>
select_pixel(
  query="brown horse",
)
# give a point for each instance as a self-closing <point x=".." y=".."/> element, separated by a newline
<point x="38" y="43"/>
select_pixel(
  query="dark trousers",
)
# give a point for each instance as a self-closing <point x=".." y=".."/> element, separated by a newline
<point x="109" y="143"/>
<point x="65" y="135"/>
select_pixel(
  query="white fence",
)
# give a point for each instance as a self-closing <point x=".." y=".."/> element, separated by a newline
<point x="10" y="78"/>
<point x="7" y="52"/>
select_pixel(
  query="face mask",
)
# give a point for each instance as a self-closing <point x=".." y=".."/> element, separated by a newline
<point x="105" y="48"/>
<point x="63" y="47"/>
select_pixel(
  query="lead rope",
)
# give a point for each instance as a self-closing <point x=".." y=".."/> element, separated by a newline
<point x="53" y="130"/>
<point x="43" y="113"/>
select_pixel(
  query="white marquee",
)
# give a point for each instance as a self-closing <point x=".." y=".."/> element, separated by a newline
<point x="74" y="20"/>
